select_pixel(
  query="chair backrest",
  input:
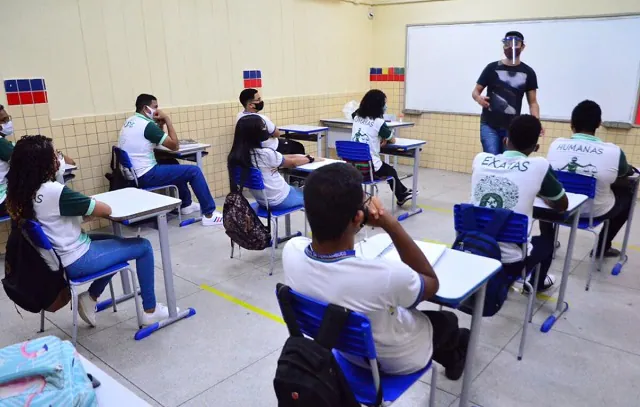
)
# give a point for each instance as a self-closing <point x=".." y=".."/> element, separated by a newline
<point x="357" y="154"/>
<point x="40" y="241"/>
<point x="126" y="164"/>
<point x="251" y="180"/>
<point x="356" y="337"/>
<point x="514" y="230"/>
<point x="577" y="183"/>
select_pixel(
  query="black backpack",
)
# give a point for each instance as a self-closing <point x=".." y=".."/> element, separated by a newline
<point x="483" y="243"/>
<point x="286" y="146"/>
<point x="308" y="375"/>
<point x="29" y="281"/>
<point x="117" y="179"/>
<point x="242" y="224"/>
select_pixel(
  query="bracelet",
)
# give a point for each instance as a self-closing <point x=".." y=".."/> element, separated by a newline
<point x="311" y="159"/>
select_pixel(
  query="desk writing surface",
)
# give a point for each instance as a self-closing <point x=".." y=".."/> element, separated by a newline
<point x="575" y="200"/>
<point x="303" y="128"/>
<point x="310" y="167"/>
<point x="343" y="121"/>
<point x="184" y="148"/>
<point x="128" y="203"/>
<point x="111" y="393"/>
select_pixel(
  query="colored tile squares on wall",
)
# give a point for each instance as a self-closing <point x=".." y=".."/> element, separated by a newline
<point x="252" y="79"/>
<point x="391" y="74"/>
<point x="25" y="91"/>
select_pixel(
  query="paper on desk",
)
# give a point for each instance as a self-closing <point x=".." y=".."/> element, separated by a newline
<point x="373" y="247"/>
<point x="432" y="252"/>
<point x="317" y="164"/>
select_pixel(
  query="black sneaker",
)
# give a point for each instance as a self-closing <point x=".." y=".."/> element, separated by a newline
<point x="611" y="252"/>
<point x="455" y="369"/>
<point x="406" y="197"/>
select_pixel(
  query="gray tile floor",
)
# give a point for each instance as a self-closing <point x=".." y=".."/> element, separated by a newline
<point x="226" y="354"/>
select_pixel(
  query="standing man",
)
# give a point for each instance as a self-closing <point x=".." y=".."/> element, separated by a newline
<point x="507" y="80"/>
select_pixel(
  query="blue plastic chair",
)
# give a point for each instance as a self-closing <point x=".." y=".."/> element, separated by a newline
<point x="255" y="182"/>
<point x="584" y="185"/>
<point x="359" y="155"/>
<point x="515" y="230"/>
<point x="357" y="339"/>
<point x="127" y="167"/>
<point x="40" y="241"/>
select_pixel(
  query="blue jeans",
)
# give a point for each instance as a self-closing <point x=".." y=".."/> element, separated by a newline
<point x="108" y="250"/>
<point x="295" y="198"/>
<point x="492" y="139"/>
<point x="180" y="175"/>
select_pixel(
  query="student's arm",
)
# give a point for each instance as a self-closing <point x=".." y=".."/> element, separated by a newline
<point x="386" y="134"/>
<point x="68" y="160"/>
<point x="624" y="171"/>
<point x="274" y="132"/>
<point x="74" y="203"/>
<point x="154" y="134"/>
<point x="295" y="160"/>
<point x="552" y="192"/>
<point x="6" y="149"/>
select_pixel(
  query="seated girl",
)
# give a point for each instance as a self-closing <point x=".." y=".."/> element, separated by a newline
<point x="247" y="152"/>
<point x="33" y="193"/>
<point x="369" y="127"/>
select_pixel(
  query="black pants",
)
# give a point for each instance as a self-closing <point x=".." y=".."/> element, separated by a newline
<point x="541" y="253"/>
<point x="3" y="209"/>
<point x="617" y="216"/>
<point x="446" y="333"/>
<point x="388" y="171"/>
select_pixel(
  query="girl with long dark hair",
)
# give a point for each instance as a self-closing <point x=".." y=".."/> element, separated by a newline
<point x="247" y="152"/>
<point x="369" y="127"/>
<point x="34" y="194"/>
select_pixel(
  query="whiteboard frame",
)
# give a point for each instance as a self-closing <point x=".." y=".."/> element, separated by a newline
<point x="406" y="56"/>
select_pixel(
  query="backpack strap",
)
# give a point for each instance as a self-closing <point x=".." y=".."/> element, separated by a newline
<point x="284" y="298"/>
<point x="334" y="319"/>
<point x="494" y="227"/>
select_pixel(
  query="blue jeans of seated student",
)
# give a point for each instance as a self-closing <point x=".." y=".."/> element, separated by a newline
<point x="179" y="175"/>
<point x="492" y="139"/>
<point x="108" y="250"/>
<point x="295" y="198"/>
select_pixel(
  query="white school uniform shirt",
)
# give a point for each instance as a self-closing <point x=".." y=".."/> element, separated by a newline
<point x="371" y="131"/>
<point x="139" y="137"/>
<point x="6" y="149"/>
<point x="276" y="188"/>
<point x="386" y="291"/>
<point x="512" y="181"/>
<point x="59" y="210"/>
<point x="272" y="142"/>
<point x="588" y="155"/>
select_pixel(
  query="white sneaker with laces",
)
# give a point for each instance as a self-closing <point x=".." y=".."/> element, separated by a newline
<point x="161" y="312"/>
<point x="194" y="207"/>
<point x="87" y="308"/>
<point x="549" y="281"/>
<point x="214" y="220"/>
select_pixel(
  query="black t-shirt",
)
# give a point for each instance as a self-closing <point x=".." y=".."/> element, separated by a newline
<point x="506" y="88"/>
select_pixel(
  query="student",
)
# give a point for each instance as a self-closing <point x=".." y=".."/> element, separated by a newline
<point x="139" y="136"/>
<point x="253" y="104"/>
<point x="369" y="127"/>
<point x="34" y="194"/>
<point x="512" y="180"/>
<point x="386" y="291"/>
<point x="586" y="154"/>
<point x="507" y="82"/>
<point x="247" y="152"/>
<point x="6" y="148"/>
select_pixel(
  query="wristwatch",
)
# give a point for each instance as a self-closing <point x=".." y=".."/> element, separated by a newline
<point x="311" y="159"/>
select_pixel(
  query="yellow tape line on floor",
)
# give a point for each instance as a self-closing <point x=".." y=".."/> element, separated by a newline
<point x="243" y="304"/>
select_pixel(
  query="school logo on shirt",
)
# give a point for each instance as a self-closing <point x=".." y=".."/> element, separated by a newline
<point x="361" y="137"/>
<point x="496" y="192"/>
<point x="573" y="166"/>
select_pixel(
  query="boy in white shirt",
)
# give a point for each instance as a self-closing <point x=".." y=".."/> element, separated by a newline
<point x="327" y="269"/>
<point x="512" y="180"/>
<point x="586" y="154"/>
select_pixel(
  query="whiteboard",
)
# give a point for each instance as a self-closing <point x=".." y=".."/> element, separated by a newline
<point x="574" y="59"/>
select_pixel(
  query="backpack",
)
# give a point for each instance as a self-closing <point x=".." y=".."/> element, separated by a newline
<point x="308" y="374"/>
<point x="483" y="243"/>
<point x="30" y="282"/>
<point x="44" y="372"/>
<point x="242" y="224"/>
<point x="117" y="179"/>
<point x="286" y="146"/>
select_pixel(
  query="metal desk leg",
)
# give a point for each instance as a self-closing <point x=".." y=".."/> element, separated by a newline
<point x="124" y="275"/>
<point x="187" y="222"/>
<point x="163" y="232"/>
<point x="414" y="193"/>
<point x="199" y="160"/>
<point x="319" y="144"/>
<point x="623" y="252"/>
<point x="476" y="320"/>
<point x="561" y="305"/>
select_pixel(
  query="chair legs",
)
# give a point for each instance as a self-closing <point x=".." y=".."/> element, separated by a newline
<point x="232" y="245"/>
<point x="274" y="244"/>
<point x="41" y="322"/>
<point x="528" y="314"/>
<point x="136" y="299"/>
<point x="594" y="261"/>
<point x="113" y="297"/>
<point x="555" y="241"/>
<point x="74" y="308"/>
<point x="606" y="234"/>
<point x="434" y="380"/>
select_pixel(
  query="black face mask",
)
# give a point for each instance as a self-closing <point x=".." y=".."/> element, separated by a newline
<point x="508" y="52"/>
<point x="259" y="106"/>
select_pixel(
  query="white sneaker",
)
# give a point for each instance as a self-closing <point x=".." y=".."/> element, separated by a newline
<point x="214" y="220"/>
<point x="87" y="308"/>
<point x="194" y="207"/>
<point x="161" y="312"/>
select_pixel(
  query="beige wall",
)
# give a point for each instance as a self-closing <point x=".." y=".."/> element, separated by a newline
<point x="96" y="56"/>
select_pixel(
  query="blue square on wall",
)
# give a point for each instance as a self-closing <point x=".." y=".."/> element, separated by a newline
<point x="254" y="75"/>
<point x="246" y="74"/>
<point x="378" y="71"/>
<point x="24" y="85"/>
<point x="259" y="73"/>
<point x="372" y="71"/>
<point x="10" y="85"/>
<point x="37" y="84"/>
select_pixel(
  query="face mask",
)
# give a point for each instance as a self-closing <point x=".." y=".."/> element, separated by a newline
<point x="509" y="53"/>
<point x="259" y="106"/>
<point x="7" y="128"/>
<point x="384" y="109"/>
<point x="149" y="112"/>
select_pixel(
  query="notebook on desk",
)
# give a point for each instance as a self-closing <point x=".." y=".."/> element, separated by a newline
<point x="382" y="246"/>
<point x="188" y="141"/>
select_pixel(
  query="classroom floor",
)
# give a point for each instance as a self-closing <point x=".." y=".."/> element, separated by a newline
<point x="226" y="354"/>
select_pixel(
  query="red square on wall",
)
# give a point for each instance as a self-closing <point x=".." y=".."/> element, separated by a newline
<point x="372" y="78"/>
<point x="13" y="99"/>
<point x="396" y="78"/>
<point x="258" y="83"/>
<point x="40" y="97"/>
<point x="247" y="83"/>
<point x="26" y="98"/>
<point x="401" y="78"/>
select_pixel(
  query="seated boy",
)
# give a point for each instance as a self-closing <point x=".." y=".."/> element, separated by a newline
<point x="140" y="135"/>
<point x="586" y="154"/>
<point x="512" y="180"/>
<point x="386" y="291"/>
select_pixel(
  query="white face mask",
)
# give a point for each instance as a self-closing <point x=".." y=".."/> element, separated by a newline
<point x="149" y="112"/>
<point x="7" y="128"/>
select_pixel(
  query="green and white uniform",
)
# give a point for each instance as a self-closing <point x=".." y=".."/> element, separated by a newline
<point x="588" y="155"/>
<point x="6" y="149"/>
<point x="371" y="131"/>
<point x="59" y="210"/>
<point x="512" y="181"/>
<point x="138" y="137"/>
